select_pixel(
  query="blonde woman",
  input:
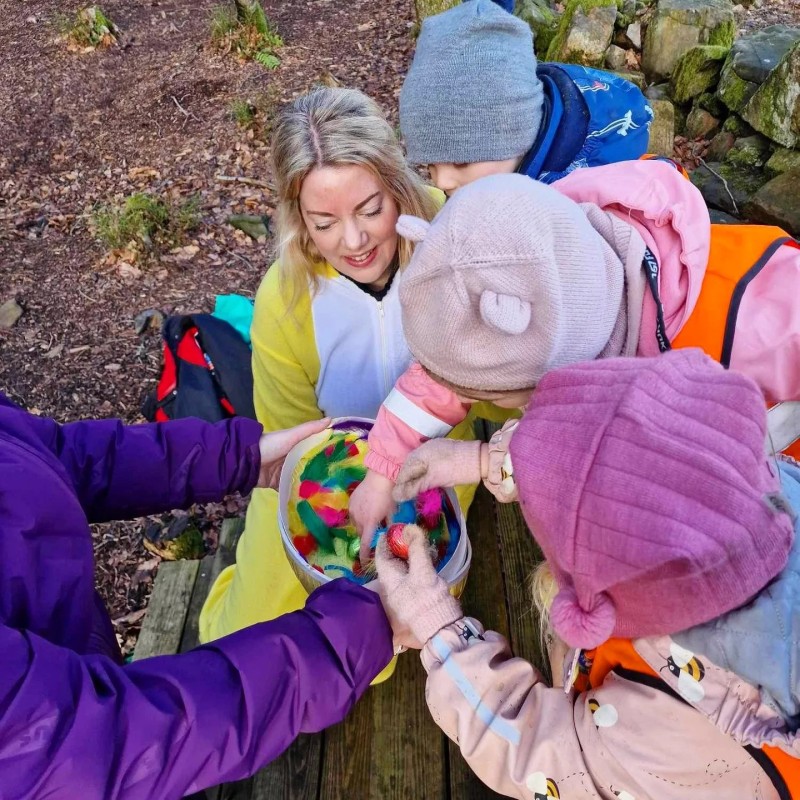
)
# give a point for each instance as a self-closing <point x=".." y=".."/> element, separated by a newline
<point x="327" y="335"/>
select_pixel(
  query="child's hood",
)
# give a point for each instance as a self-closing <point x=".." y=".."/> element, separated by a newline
<point x="670" y="215"/>
<point x="760" y="641"/>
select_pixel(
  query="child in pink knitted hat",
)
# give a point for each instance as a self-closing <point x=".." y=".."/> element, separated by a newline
<point x="670" y="544"/>
<point x="514" y="278"/>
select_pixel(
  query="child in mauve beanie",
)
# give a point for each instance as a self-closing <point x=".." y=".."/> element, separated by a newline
<point x="475" y="103"/>
<point x="670" y="534"/>
<point x="514" y="278"/>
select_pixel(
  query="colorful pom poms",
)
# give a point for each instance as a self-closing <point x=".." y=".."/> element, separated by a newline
<point x="315" y="526"/>
<point x="305" y="545"/>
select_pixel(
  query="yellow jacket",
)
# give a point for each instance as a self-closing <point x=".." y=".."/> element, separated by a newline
<point x="336" y="352"/>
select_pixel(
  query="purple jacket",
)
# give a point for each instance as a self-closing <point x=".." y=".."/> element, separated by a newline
<point x="73" y="721"/>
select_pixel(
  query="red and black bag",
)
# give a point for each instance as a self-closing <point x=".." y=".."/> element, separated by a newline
<point x="207" y="372"/>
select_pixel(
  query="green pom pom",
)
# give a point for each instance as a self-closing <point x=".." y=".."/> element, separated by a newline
<point x="315" y="526"/>
<point x="316" y="469"/>
<point x="353" y="547"/>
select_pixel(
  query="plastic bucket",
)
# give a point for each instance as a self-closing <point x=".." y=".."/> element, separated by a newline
<point x="455" y="571"/>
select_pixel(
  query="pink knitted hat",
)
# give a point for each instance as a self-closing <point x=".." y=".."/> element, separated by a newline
<point x="510" y="280"/>
<point x="647" y="485"/>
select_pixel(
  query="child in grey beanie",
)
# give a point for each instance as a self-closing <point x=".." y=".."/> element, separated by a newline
<point x="475" y="103"/>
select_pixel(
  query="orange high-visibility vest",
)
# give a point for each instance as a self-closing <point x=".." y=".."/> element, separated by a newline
<point x="738" y="254"/>
<point x="782" y="769"/>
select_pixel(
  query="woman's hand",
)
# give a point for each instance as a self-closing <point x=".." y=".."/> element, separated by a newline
<point x="275" y="446"/>
<point x="370" y="504"/>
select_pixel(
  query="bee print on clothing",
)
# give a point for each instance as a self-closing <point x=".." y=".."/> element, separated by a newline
<point x="689" y="671"/>
<point x="604" y="716"/>
<point x="543" y="788"/>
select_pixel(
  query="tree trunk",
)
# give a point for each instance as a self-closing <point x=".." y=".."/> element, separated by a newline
<point x="426" y="8"/>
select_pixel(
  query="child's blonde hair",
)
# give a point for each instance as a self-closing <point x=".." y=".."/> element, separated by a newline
<point x="332" y="127"/>
<point x="543" y="591"/>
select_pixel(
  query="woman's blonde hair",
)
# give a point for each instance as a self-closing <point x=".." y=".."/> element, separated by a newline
<point x="333" y="127"/>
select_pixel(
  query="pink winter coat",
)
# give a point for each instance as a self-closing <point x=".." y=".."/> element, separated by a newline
<point x="690" y="734"/>
<point x="672" y="218"/>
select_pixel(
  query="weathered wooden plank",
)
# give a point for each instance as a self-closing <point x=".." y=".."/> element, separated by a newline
<point x="519" y="555"/>
<point x="293" y="776"/>
<point x="209" y="570"/>
<point x="389" y="748"/>
<point x="166" y="612"/>
<point x="483" y="599"/>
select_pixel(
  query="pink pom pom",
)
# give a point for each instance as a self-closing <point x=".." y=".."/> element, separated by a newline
<point x="579" y="627"/>
<point x="429" y="508"/>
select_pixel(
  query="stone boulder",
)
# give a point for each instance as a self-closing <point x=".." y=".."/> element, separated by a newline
<point x="749" y="151"/>
<point x="774" y="109"/>
<point x="751" y="60"/>
<point x="541" y="19"/>
<point x="662" y="128"/>
<point x="696" y="71"/>
<point x="782" y="160"/>
<point x="726" y="187"/>
<point x="584" y="32"/>
<point x="700" y="123"/>
<point x="615" y="58"/>
<point x="778" y="202"/>
<point x="679" y="25"/>
<point x="720" y="146"/>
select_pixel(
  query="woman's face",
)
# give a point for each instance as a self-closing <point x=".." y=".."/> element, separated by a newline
<point x="351" y="219"/>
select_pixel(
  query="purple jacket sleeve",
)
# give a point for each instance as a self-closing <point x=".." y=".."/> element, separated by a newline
<point x="73" y="726"/>
<point x="121" y="471"/>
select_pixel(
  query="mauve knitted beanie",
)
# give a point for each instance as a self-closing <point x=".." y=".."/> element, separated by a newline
<point x="646" y="483"/>
<point x="510" y="280"/>
<point x="471" y="93"/>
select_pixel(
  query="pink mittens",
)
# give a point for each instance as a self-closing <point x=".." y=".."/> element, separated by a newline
<point x="437" y="464"/>
<point x="414" y="596"/>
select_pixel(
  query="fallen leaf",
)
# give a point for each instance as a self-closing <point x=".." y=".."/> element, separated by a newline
<point x="186" y="252"/>
<point x="143" y="172"/>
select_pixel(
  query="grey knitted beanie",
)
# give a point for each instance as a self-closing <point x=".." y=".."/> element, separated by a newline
<point x="509" y="281"/>
<point x="472" y="93"/>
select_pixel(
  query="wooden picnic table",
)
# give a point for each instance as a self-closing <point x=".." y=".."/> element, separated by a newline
<point x="389" y="747"/>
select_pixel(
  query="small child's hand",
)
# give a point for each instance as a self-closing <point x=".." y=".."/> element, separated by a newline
<point x="370" y="504"/>
<point x="416" y="599"/>
<point x="499" y="475"/>
<point x="437" y="464"/>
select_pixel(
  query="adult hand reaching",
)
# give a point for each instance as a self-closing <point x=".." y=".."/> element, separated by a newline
<point x="275" y="446"/>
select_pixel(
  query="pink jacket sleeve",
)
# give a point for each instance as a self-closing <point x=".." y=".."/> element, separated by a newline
<point x="417" y="409"/>
<point x="625" y="739"/>
<point x="515" y="732"/>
